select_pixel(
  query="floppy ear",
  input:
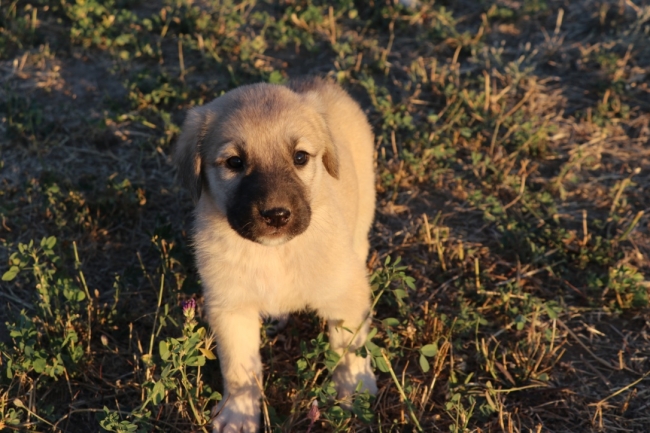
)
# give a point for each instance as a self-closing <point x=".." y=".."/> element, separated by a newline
<point x="330" y="155"/>
<point x="187" y="154"/>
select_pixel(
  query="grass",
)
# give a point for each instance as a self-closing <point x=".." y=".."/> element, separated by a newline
<point x="509" y="253"/>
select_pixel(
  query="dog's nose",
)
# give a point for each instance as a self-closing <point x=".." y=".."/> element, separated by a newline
<point x="276" y="217"/>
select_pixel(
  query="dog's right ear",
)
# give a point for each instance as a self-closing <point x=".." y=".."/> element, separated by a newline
<point x="187" y="154"/>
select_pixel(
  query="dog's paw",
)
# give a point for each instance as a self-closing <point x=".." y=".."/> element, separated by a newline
<point x="348" y="375"/>
<point x="237" y="414"/>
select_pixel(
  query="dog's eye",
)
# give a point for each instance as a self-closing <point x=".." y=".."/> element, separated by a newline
<point x="300" y="158"/>
<point x="235" y="162"/>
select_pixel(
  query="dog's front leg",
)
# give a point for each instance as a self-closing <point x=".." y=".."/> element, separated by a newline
<point x="348" y="324"/>
<point x="238" y="345"/>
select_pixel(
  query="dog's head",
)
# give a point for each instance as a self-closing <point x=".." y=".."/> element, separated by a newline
<point x="258" y="152"/>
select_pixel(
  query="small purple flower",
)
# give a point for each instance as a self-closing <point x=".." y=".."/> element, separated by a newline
<point x="189" y="308"/>
<point x="313" y="415"/>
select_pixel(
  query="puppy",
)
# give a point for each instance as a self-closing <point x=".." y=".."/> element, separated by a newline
<point x="283" y="181"/>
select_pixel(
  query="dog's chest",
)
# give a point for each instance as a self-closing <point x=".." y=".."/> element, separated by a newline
<point x="274" y="280"/>
<point x="237" y="273"/>
<point x="277" y="285"/>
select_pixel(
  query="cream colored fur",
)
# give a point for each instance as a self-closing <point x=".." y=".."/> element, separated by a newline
<point x="322" y="269"/>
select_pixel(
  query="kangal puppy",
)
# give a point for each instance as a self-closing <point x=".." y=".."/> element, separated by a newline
<point x="283" y="181"/>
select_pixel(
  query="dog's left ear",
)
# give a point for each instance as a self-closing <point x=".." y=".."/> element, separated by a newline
<point x="331" y="154"/>
<point x="187" y="154"/>
<point x="331" y="159"/>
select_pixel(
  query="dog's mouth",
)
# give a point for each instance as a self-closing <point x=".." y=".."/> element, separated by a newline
<point x="259" y="230"/>
<point x="273" y="239"/>
<point x="273" y="235"/>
